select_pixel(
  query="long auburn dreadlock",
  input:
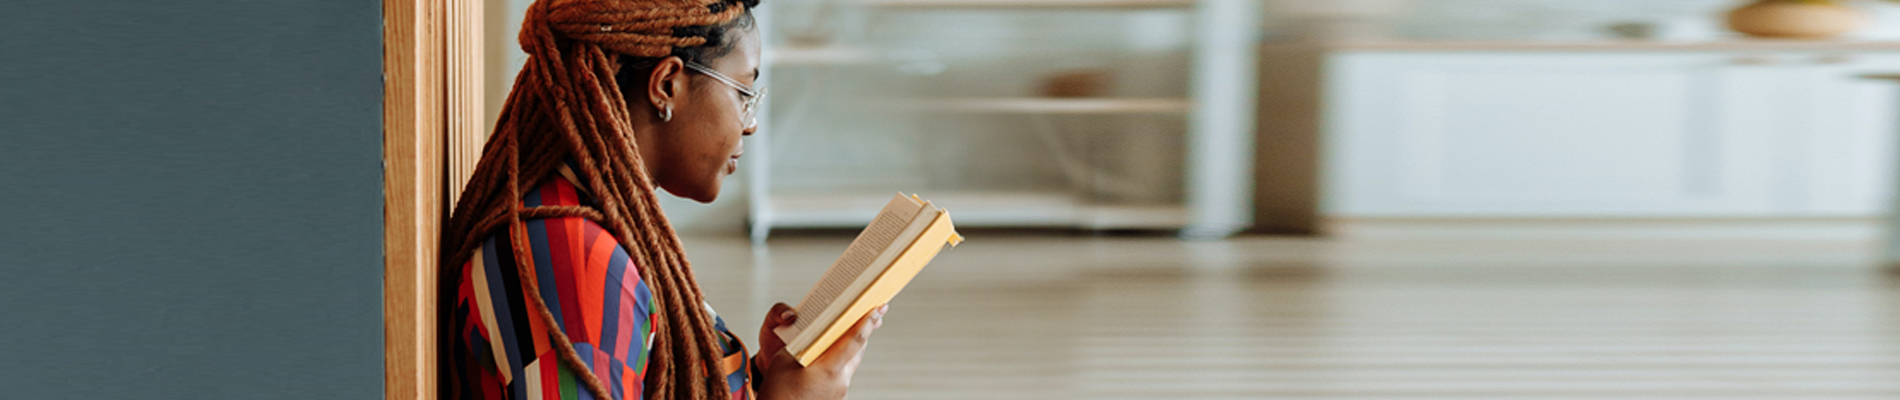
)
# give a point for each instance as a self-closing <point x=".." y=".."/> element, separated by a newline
<point x="567" y="104"/>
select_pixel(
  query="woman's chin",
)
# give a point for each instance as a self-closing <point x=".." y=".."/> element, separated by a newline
<point x="703" y="193"/>
<point x="708" y="197"/>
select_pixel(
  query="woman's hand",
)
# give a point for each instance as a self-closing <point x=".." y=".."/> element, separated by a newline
<point x="780" y="376"/>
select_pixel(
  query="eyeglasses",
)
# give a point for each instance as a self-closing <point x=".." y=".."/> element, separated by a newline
<point x="748" y="97"/>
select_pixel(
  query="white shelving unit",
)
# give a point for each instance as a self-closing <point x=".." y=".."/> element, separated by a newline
<point x="1041" y="105"/>
<point x="828" y="55"/>
<point x="1028" y="4"/>
<point x="1027" y="209"/>
<point x="1219" y="112"/>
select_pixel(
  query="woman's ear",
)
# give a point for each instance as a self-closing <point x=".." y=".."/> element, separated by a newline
<point x="668" y="79"/>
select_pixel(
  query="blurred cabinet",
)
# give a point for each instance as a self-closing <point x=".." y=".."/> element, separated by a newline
<point x="1852" y="126"/>
<point x="1599" y="132"/>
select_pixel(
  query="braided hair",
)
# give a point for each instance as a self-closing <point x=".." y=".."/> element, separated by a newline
<point x="567" y="104"/>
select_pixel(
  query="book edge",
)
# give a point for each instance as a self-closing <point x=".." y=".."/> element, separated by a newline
<point x="806" y="338"/>
<point x="936" y="235"/>
<point x="791" y="335"/>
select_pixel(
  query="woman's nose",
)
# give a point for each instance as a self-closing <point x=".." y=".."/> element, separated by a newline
<point x="749" y="130"/>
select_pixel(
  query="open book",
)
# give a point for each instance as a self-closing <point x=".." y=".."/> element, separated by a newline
<point x="903" y="237"/>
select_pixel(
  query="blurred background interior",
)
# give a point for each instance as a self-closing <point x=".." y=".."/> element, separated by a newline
<point x="1333" y="198"/>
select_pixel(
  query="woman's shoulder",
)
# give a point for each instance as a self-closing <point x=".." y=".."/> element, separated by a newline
<point x="574" y="260"/>
<point x="584" y="276"/>
<point x="561" y="189"/>
<point x="590" y="282"/>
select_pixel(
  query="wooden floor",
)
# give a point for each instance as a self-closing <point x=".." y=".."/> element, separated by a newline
<point x="1076" y="317"/>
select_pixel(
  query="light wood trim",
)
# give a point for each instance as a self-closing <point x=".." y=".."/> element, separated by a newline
<point x="469" y="122"/>
<point x="412" y="193"/>
<point x="433" y="127"/>
<point x="434" y="124"/>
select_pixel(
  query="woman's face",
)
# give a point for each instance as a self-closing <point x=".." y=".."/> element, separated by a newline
<point x="691" y="154"/>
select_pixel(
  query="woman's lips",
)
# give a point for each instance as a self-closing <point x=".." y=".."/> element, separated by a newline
<point x="732" y="164"/>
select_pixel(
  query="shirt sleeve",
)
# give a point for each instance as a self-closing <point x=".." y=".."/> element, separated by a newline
<point x="501" y="349"/>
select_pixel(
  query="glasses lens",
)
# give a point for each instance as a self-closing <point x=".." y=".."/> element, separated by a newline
<point x="750" y="110"/>
<point x="749" y="97"/>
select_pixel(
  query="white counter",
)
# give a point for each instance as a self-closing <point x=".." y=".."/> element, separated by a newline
<point x="1601" y="45"/>
<point x="1411" y="129"/>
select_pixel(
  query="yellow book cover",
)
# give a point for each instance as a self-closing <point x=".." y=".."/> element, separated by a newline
<point x="903" y="238"/>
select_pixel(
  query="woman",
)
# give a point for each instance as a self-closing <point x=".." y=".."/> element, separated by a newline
<point x="562" y="279"/>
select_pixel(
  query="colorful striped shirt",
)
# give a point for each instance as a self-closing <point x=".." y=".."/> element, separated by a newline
<point x="499" y="348"/>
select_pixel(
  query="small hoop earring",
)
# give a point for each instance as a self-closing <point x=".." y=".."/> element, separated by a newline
<point x="666" y="113"/>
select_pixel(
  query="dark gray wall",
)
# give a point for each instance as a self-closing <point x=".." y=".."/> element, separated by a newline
<point x="192" y="199"/>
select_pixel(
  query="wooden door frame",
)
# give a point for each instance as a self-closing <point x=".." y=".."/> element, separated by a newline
<point x="433" y="129"/>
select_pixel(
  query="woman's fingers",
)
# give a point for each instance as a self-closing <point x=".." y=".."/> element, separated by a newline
<point x="829" y="376"/>
<point x="848" y="350"/>
<point x="780" y="315"/>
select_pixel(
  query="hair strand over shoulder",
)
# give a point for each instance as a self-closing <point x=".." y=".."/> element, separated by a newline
<point x="566" y="104"/>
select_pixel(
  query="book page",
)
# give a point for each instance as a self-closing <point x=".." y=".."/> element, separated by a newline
<point x="928" y="234"/>
<point x="831" y="316"/>
<point x="864" y="250"/>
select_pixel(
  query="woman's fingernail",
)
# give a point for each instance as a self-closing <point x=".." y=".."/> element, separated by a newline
<point x="788" y="315"/>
